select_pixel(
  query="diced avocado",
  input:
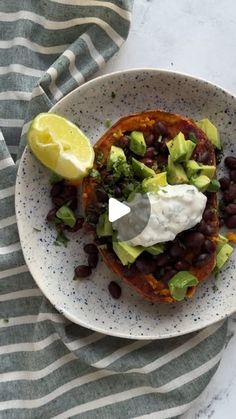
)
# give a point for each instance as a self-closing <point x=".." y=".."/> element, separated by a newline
<point x="141" y="170"/>
<point x="154" y="183"/>
<point x="221" y="241"/>
<point x="116" y="154"/>
<point x="176" y="173"/>
<point x="223" y="255"/>
<point x="214" y="186"/>
<point x="194" y="168"/>
<point x="190" y="147"/>
<point x="201" y="182"/>
<point x="104" y="226"/>
<point x="180" y="150"/>
<point x="126" y="253"/>
<point x="137" y="143"/>
<point x="179" y="284"/>
<point x="211" y="132"/>
<point x="155" y="249"/>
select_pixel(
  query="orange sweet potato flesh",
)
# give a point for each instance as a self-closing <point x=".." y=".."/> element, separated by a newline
<point x="147" y="285"/>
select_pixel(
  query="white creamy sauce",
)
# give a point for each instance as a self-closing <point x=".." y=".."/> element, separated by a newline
<point x="174" y="208"/>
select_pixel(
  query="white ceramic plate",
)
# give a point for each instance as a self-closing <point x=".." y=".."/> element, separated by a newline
<point x="89" y="303"/>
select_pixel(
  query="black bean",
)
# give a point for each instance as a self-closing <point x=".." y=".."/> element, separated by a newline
<point x="91" y="248"/>
<point x="114" y="290"/>
<point x="232" y="174"/>
<point x="163" y="145"/>
<point x="51" y="214"/>
<point x="145" y="264"/>
<point x="201" y="260"/>
<point x="230" y="162"/>
<point x="224" y="183"/>
<point x="123" y="142"/>
<point x="69" y="192"/>
<point x="109" y="179"/>
<point x="117" y="192"/>
<point x="83" y="271"/>
<point x="168" y="275"/>
<point x="148" y="162"/>
<point x="149" y="139"/>
<point x="230" y="209"/>
<point x="203" y="157"/>
<point x="230" y="194"/>
<point x="209" y="246"/>
<point x="230" y="222"/>
<point x="176" y="251"/>
<point x="194" y="241"/>
<point x="209" y="214"/>
<point x="182" y="265"/>
<point x="162" y="260"/>
<point x="56" y="189"/>
<point x="160" y="128"/>
<point x="58" y="201"/>
<point x="101" y="195"/>
<point x="92" y="217"/>
<point x="206" y="229"/>
<point x="150" y="152"/>
<point x="73" y="204"/>
<point x="93" y="260"/>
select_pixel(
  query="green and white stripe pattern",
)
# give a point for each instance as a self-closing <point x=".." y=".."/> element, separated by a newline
<point x="49" y="367"/>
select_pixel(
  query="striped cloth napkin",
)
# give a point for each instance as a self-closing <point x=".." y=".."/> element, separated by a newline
<point x="50" y="368"/>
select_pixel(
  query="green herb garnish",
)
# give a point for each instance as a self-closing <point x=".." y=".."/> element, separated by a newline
<point x="192" y="137"/>
<point x="61" y="240"/>
<point x="99" y="158"/>
<point x="66" y="215"/>
<point x="94" y="173"/>
<point x="108" y="123"/>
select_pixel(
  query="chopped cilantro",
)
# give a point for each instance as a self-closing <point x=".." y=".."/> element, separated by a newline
<point x="108" y="123"/>
<point x="94" y="173"/>
<point x="99" y="158"/>
<point x="61" y="240"/>
<point x="66" y="215"/>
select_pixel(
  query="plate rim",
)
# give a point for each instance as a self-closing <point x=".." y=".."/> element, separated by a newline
<point x="41" y="286"/>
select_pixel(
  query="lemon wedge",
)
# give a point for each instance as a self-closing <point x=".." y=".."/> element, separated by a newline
<point x="61" y="146"/>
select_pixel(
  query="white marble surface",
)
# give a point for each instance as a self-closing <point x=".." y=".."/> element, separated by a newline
<point x="198" y="38"/>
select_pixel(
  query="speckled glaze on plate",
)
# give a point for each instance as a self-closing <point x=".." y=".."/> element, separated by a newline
<point x="88" y="302"/>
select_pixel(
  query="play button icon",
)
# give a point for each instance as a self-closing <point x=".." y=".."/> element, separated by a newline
<point x="117" y="210"/>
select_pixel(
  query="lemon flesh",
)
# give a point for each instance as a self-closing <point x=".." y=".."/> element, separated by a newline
<point x="61" y="146"/>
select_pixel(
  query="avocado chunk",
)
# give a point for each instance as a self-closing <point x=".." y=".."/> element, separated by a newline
<point x="155" y="249"/>
<point x="126" y="253"/>
<point x="116" y="154"/>
<point x="214" y="186"/>
<point x="223" y="254"/>
<point x="131" y="196"/>
<point x="179" y="283"/>
<point x="201" y="182"/>
<point x="211" y="132"/>
<point x="104" y="226"/>
<point x="195" y="169"/>
<point x="154" y="183"/>
<point x="141" y="170"/>
<point x="180" y="149"/>
<point x="137" y="143"/>
<point x="190" y="147"/>
<point x="175" y="173"/>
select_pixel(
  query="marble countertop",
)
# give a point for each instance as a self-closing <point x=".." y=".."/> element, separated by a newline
<point x="197" y="38"/>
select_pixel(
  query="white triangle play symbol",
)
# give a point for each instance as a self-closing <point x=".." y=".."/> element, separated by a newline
<point x="116" y="210"/>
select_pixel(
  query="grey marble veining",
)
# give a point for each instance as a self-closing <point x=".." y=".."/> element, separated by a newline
<point x="198" y="38"/>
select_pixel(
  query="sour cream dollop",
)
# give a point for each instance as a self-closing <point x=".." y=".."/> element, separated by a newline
<point x="173" y="209"/>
